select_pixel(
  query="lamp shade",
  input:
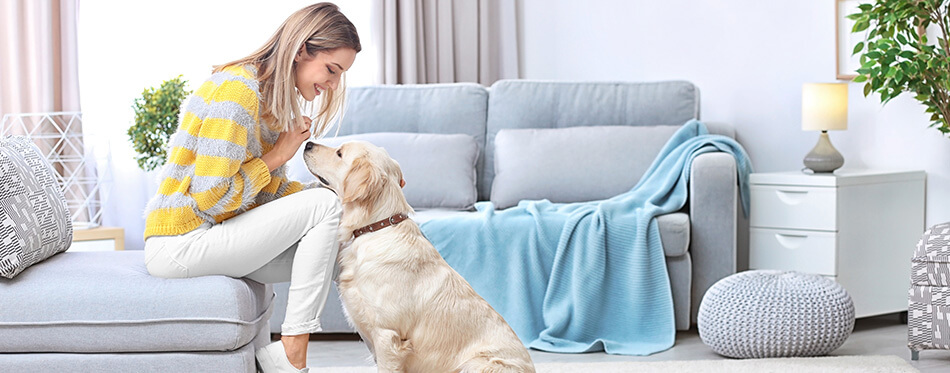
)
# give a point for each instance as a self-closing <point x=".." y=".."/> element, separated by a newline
<point x="824" y="106"/>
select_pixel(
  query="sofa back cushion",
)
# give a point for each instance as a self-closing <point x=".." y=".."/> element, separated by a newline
<point x="574" y="164"/>
<point x="439" y="169"/>
<point x="34" y="219"/>
<point x="520" y="104"/>
<point x="420" y="108"/>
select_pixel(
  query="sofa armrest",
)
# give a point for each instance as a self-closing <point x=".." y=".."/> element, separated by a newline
<point x="713" y="207"/>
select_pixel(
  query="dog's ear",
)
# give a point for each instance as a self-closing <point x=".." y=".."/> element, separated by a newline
<point x="363" y="181"/>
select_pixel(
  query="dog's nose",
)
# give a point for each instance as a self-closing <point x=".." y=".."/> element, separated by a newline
<point x="308" y="146"/>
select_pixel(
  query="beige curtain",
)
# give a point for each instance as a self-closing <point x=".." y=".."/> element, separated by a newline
<point x="39" y="75"/>
<point x="445" y="41"/>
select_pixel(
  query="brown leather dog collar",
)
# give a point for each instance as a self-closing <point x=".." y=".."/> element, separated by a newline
<point x="392" y="220"/>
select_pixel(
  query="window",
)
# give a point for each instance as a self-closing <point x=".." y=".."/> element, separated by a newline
<point x="126" y="46"/>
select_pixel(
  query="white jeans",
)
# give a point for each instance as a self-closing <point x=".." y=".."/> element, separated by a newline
<point x="291" y="239"/>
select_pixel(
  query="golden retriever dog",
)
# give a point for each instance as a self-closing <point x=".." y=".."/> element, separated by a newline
<point x="414" y="312"/>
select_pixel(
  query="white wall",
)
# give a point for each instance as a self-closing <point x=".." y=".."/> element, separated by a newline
<point x="127" y="46"/>
<point x="749" y="59"/>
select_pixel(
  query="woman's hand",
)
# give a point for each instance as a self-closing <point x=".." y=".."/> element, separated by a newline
<point x="287" y="145"/>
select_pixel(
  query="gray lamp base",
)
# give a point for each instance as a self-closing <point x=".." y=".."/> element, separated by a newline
<point x="824" y="157"/>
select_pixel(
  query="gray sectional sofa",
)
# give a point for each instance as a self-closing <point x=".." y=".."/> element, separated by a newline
<point x="101" y="311"/>
<point x="699" y="241"/>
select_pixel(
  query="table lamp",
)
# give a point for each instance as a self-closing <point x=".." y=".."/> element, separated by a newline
<point x="824" y="108"/>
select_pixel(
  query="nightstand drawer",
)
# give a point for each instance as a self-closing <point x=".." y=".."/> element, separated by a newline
<point x="803" y="251"/>
<point x="791" y="207"/>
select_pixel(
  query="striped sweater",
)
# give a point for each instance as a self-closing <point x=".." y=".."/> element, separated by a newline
<point x="214" y="170"/>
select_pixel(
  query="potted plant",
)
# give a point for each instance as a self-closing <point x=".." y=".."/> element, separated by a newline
<point x="897" y="56"/>
<point x="156" y="119"/>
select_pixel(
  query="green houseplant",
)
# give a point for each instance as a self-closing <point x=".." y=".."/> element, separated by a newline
<point x="156" y="119"/>
<point x="896" y="55"/>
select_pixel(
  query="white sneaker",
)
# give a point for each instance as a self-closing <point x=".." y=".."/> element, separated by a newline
<point x="273" y="359"/>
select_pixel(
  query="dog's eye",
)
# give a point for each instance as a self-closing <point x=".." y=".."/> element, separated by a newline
<point x="339" y="153"/>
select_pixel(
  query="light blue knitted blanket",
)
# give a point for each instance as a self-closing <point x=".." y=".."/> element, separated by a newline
<point x="590" y="276"/>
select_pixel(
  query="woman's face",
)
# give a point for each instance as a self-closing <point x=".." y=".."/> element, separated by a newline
<point x="316" y="74"/>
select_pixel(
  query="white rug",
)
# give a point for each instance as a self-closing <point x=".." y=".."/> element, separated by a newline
<point x="828" y="364"/>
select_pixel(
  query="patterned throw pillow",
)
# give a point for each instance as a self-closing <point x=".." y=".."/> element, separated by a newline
<point x="34" y="219"/>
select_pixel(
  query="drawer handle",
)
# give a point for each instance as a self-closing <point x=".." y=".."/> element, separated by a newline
<point x="790" y="241"/>
<point x="791" y="197"/>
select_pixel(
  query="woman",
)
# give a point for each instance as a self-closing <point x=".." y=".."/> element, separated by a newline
<point x="224" y="206"/>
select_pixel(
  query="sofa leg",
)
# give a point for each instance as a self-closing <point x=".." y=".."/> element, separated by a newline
<point x="914" y="355"/>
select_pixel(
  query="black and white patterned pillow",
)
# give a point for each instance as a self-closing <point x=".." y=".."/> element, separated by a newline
<point x="34" y="219"/>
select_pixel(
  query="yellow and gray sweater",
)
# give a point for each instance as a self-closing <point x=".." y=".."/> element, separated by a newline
<point x="214" y="170"/>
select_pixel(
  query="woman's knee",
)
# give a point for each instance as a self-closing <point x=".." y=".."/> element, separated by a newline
<point x="326" y="204"/>
<point x="159" y="262"/>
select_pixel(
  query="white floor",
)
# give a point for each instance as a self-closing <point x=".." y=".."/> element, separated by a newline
<point x="883" y="335"/>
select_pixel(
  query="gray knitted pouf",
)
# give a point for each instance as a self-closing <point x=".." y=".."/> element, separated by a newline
<point x="759" y="314"/>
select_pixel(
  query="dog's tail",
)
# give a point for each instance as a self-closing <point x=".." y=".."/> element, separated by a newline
<point x="485" y="364"/>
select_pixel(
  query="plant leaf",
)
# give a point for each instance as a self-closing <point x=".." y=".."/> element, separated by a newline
<point x="857" y="48"/>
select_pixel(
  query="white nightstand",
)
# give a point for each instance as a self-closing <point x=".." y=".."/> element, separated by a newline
<point x="858" y="227"/>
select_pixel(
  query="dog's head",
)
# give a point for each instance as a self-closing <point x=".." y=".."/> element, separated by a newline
<point x="359" y="172"/>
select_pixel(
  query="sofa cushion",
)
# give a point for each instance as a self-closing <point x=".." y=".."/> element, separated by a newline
<point x="445" y="108"/>
<point x="520" y="104"/>
<point x="92" y="302"/>
<point x="422" y="216"/>
<point x="674" y="228"/>
<point x="34" y="219"/>
<point x="572" y="164"/>
<point x="439" y="169"/>
<point x="674" y="233"/>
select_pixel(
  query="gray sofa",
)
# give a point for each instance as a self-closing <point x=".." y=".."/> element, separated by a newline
<point x="699" y="241"/>
<point x="102" y="311"/>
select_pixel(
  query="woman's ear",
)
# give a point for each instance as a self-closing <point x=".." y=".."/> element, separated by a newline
<point x="402" y="183"/>
<point x="301" y="53"/>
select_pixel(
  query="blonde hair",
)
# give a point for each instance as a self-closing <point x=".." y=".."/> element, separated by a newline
<point x="320" y="27"/>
